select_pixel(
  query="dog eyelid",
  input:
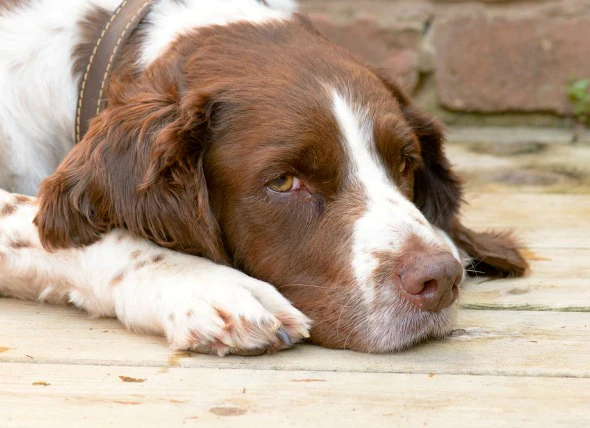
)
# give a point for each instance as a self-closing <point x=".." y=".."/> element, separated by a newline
<point x="284" y="183"/>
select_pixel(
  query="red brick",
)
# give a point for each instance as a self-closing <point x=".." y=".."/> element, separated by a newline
<point x="395" y="50"/>
<point x="497" y="64"/>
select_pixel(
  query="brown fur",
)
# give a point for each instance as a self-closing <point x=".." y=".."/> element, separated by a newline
<point x="23" y="199"/>
<point x="21" y="243"/>
<point x="7" y="209"/>
<point x="116" y="280"/>
<point x="135" y="254"/>
<point x="494" y="254"/>
<point x="140" y="265"/>
<point x="157" y="258"/>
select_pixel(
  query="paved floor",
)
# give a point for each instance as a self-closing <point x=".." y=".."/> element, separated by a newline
<point x="520" y="355"/>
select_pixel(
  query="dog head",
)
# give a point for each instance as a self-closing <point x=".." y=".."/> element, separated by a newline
<point x="267" y="148"/>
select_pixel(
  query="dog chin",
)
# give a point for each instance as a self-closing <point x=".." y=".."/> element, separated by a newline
<point x="406" y="331"/>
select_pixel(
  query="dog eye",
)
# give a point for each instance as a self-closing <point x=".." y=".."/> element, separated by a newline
<point x="284" y="183"/>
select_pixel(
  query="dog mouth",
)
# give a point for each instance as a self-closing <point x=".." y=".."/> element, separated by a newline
<point x="395" y="323"/>
<point x="406" y="331"/>
<point x="385" y="328"/>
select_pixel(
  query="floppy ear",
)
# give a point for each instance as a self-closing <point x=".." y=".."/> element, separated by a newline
<point x="438" y="194"/>
<point x="492" y="253"/>
<point x="140" y="166"/>
<point x="438" y="191"/>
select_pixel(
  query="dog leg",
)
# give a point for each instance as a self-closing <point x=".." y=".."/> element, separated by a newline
<point x="194" y="302"/>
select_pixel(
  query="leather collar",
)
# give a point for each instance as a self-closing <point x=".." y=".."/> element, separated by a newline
<point x="112" y="38"/>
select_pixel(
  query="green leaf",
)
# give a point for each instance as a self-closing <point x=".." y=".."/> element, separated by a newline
<point x="578" y="93"/>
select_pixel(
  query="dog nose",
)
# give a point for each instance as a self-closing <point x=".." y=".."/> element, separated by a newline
<point x="431" y="282"/>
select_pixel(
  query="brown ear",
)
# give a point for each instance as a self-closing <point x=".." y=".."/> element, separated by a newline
<point x="438" y="191"/>
<point x="492" y="253"/>
<point x="438" y="194"/>
<point x="139" y="167"/>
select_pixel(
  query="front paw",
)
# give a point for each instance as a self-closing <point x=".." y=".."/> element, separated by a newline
<point x="235" y="320"/>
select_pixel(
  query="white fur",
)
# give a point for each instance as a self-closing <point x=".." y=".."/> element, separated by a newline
<point x="179" y="296"/>
<point x="390" y="219"/>
<point x="39" y="90"/>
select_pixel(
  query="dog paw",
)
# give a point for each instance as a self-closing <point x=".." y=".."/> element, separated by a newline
<point x="247" y="317"/>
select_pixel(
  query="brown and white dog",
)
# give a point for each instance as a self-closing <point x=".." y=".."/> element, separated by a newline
<point x="242" y="160"/>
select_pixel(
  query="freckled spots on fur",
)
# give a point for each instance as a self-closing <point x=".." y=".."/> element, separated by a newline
<point x="22" y="199"/>
<point x="117" y="278"/>
<point x="189" y="313"/>
<point x="135" y="254"/>
<point x="227" y="319"/>
<point x="7" y="210"/>
<point x="420" y="221"/>
<point x="224" y="315"/>
<point x="157" y="258"/>
<point x="171" y="317"/>
<point x="21" y="243"/>
<point x="139" y="265"/>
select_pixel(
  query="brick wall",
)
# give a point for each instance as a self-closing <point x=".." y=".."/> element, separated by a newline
<point x="498" y="62"/>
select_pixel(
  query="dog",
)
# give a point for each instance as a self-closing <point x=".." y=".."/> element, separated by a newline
<point x="248" y="184"/>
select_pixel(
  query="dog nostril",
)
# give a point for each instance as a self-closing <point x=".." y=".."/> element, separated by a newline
<point x="417" y="287"/>
<point x="429" y="288"/>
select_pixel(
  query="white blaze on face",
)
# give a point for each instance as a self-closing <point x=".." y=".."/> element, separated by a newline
<point x="389" y="219"/>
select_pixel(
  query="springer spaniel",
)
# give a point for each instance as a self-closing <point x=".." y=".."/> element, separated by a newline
<point x="246" y="177"/>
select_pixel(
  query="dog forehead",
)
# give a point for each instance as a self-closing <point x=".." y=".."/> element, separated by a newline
<point x="276" y="127"/>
